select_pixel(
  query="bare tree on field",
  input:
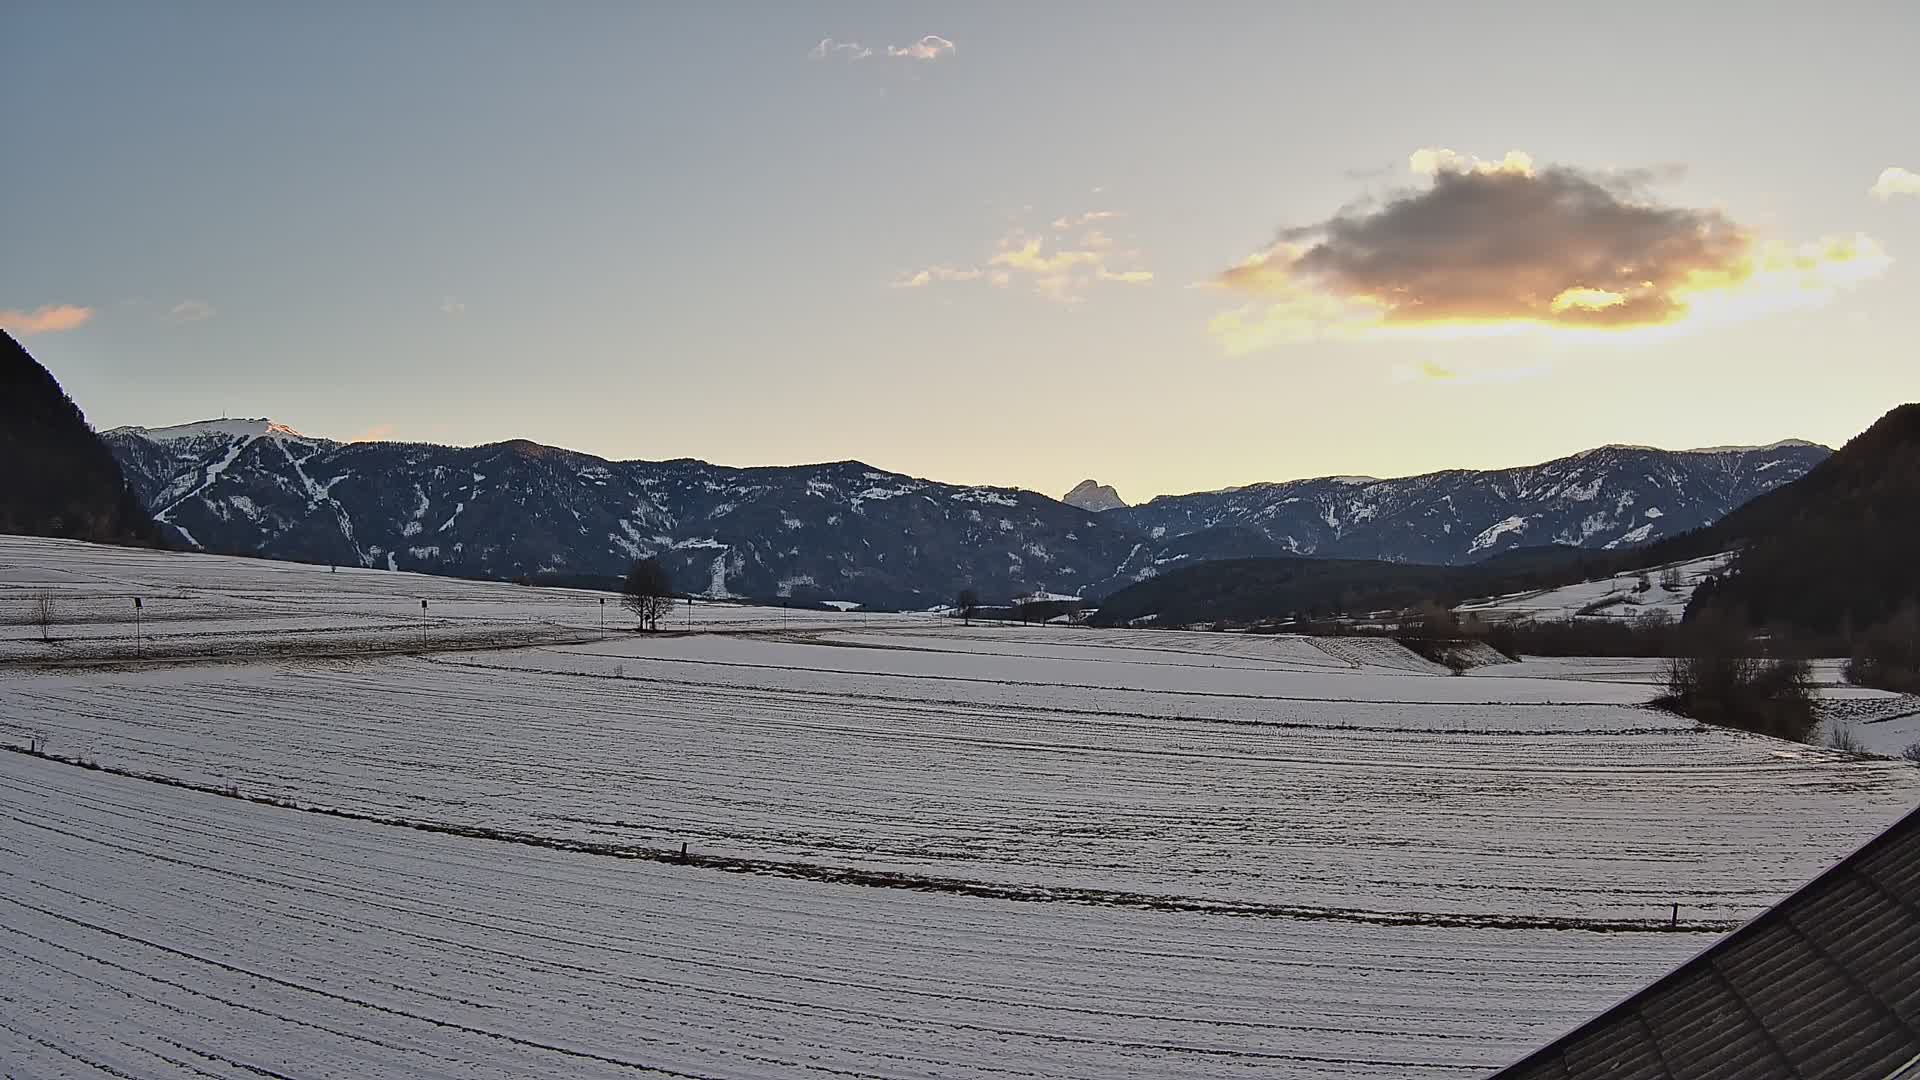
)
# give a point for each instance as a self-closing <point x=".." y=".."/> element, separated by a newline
<point x="647" y="592"/>
<point x="965" y="604"/>
<point x="1670" y="579"/>
<point x="40" y="612"/>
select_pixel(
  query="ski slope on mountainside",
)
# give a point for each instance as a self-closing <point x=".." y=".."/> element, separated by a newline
<point x="1615" y="598"/>
<point x="914" y="848"/>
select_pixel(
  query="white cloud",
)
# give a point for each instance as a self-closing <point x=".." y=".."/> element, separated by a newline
<point x="451" y="306"/>
<point x="187" y="311"/>
<point x="931" y="47"/>
<point x="1895" y="180"/>
<point x="829" y="49"/>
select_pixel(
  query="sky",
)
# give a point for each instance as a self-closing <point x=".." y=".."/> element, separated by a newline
<point x="1171" y="247"/>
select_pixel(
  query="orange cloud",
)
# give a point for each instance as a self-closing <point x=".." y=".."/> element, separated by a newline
<point x="1499" y="247"/>
<point x="49" y="319"/>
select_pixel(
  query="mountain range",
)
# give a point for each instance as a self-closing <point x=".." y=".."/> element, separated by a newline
<point x="849" y="532"/>
<point x="1825" y="565"/>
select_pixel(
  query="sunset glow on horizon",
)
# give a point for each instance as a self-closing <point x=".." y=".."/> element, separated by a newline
<point x="824" y="233"/>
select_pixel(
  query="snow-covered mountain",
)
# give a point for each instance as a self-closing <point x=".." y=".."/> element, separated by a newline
<point x="1093" y="495"/>
<point x="846" y="531"/>
<point x="1610" y="497"/>
<point x="840" y="531"/>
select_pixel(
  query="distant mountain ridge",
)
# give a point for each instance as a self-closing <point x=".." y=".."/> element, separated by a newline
<point x="846" y="531"/>
<point x="1608" y="497"/>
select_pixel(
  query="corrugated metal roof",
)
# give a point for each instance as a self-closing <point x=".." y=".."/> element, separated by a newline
<point x="1824" y="985"/>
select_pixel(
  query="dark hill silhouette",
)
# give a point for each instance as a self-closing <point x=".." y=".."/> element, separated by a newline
<point x="1833" y="552"/>
<point x="61" y="479"/>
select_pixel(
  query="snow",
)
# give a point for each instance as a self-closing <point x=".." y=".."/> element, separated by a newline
<point x="917" y="848"/>
<point x="159" y="932"/>
<point x="1632" y="536"/>
<point x="207" y="479"/>
<point x="1616" y="597"/>
<point x="1491" y="534"/>
<point x="223" y="428"/>
<point x="988" y="496"/>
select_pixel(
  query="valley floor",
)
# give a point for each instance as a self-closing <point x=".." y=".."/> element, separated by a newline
<point x="913" y="848"/>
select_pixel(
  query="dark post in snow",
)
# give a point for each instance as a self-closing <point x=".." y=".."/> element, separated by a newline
<point x="1674" y="921"/>
<point x="136" y="626"/>
<point x="423" y="624"/>
<point x="603" y="614"/>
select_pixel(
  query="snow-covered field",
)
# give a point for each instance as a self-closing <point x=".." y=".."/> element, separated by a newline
<point x="1617" y="597"/>
<point x="913" y="848"/>
<point x="199" y="605"/>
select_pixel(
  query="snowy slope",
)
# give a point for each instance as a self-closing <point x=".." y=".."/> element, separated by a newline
<point x="1669" y="589"/>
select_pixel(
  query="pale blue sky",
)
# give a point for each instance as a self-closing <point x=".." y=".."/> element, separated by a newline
<point x="653" y="231"/>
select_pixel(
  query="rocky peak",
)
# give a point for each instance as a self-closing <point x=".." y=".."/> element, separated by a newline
<point x="1095" y="496"/>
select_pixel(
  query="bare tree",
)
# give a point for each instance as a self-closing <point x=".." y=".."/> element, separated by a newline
<point x="965" y="604"/>
<point x="647" y="592"/>
<point x="1670" y="579"/>
<point x="40" y="613"/>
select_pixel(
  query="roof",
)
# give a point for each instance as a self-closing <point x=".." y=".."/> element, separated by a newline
<point x="1826" y="984"/>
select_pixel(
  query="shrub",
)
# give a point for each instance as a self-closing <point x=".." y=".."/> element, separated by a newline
<point x="1912" y="752"/>
<point x="1888" y="656"/>
<point x="1721" y="686"/>
<point x="1841" y="737"/>
<point x="40" y="614"/>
